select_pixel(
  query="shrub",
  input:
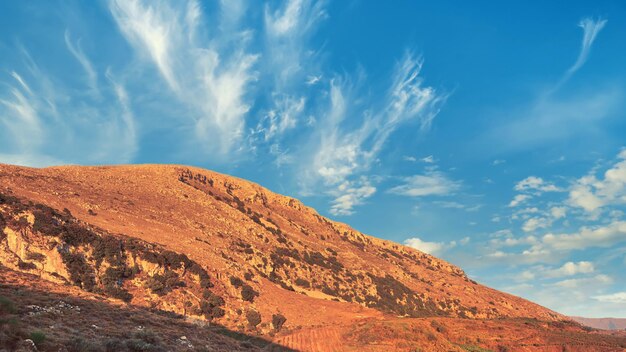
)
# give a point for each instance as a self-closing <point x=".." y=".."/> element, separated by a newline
<point x="303" y="283"/>
<point x="438" y="326"/>
<point x="235" y="281"/>
<point x="26" y="265"/>
<point x="148" y="336"/>
<point x="136" y="345"/>
<point x="248" y="293"/>
<point x="156" y="284"/>
<point x="38" y="338"/>
<point x="7" y="199"/>
<point x="36" y="256"/>
<point x="81" y="274"/>
<point x="211" y="306"/>
<point x="162" y="284"/>
<point x="46" y="221"/>
<point x="196" y="269"/>
<point x="278" y="320"/>
<point x="78" y="344"/>
<point x="113" y="345"/>
<point x="174" y="260"/>
<point x="253" y="317"/>
<point x="109" y="248"/>
<point x="7" y="306"/>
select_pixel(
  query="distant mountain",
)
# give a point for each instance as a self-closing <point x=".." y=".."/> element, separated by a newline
<point x="204" y="246"/>
<point x="603" y="323"/>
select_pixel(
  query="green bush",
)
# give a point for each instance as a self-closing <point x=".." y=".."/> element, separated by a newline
<point x="38" y="338"/>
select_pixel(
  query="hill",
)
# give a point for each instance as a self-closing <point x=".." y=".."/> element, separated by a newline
<point x="209" y="247"/>
<point x="602" y="323"/>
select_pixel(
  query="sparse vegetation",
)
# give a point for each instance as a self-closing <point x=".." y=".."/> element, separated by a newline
<point x="38" y="338"/>
<point x="253" y="317"/>
<point x="211" y="306"/>
<point x="303" y="283"/>
<point x="248" y="293"/>
<point x="7" y="306"/>
<point x="278" y="320"/>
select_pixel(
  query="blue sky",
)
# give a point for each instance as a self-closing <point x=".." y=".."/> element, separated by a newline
<point x="491" y="135"/>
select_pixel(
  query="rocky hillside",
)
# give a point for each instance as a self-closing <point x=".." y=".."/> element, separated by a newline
<point x="212" y="247"/>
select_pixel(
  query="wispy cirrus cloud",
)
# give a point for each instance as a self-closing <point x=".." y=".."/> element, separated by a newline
<point x="343" y="156"/>
<point x="290" y="65"/>
<point x="43" y="125"/>
<point x="90" y="73"/>
<point x="209" y="78"/>
<point x="591" y="27"/>
<point x="232" y="81"/>
<point x="550" y="117"/>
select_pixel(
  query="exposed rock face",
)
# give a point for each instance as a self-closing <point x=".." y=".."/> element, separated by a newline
<point x="250" y="241"/>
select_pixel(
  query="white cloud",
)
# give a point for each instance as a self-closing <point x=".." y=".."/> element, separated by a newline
<point x="283" y="117"/>
<point x="434" y="248"/>
<point x="210" y="85"/>
<point x="548" y="119"/>
<point x="433" y="183"/>
<point x="571" y="269"/>
<point x="533" y="183"/>
<point x="90" y="72"/>
<point x="558" y="212"/>
<point x="311" y="80"/>
<point x="592" y="194"/>
<point x="342" y="155"/>
<point x="519" y="199"/>
<point x="287" y="62"/>
<point x="449" y="205"/>
<point x="618" y="297"/>
<point x="600" y="236"/>
<point x="533" y="224"/>
<point x="525" y="275"/>
<point x="498" y="162"/>
<point x="576" y="283"/>
<point x="591" y="28"/>
<point x="429" y="159"/>
<point x="349" y="195"/>
<point x="47" y="123"/>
